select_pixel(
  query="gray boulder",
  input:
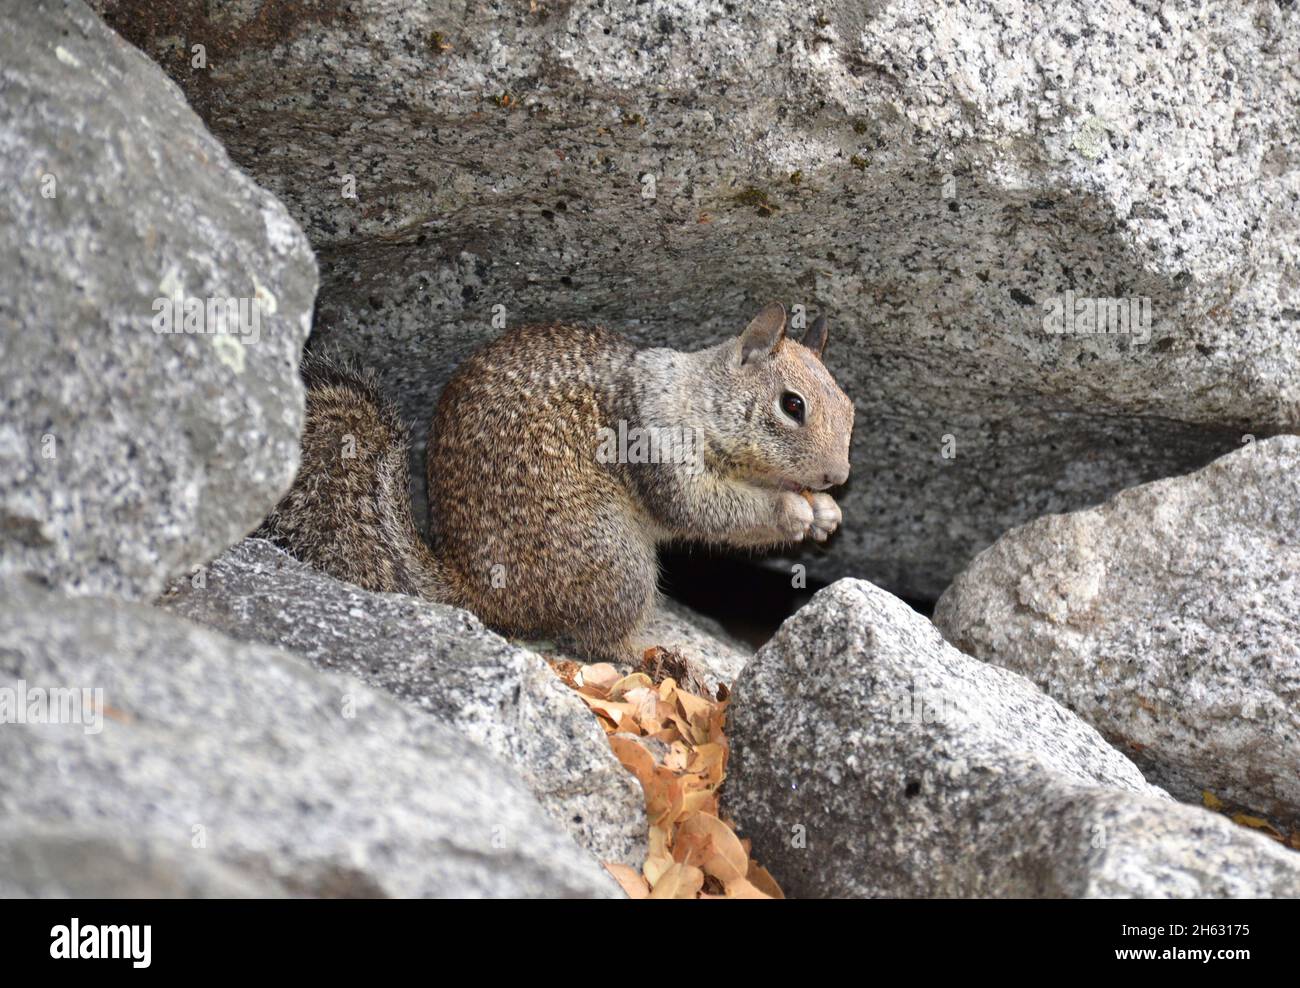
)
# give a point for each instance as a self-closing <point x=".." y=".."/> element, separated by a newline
<point x="443" y="660"/>
<point x="935" y="179"/>
<point x="871" y="758"/>
<point x="1168" y="618"/>
<point x="68" y="863"/>
<point x="128" y="454"/>
<point x="243" y="756"/>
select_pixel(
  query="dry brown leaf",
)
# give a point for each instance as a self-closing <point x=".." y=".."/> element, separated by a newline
<point x="627" y="725"/>
<point x="678" y="757"/>
<point x="635" y="758"/>
<point x="707" y="841"/>
<point x="1256" y="823"/>
<point x="742" y="889"/>
<point x="694" y="706"/>
<point x="659" y="860"/>
<point x="670" y="797"/>
<point x="636" y="681"/>
<point x="699" y="801"/>
<point x="615" y="711"/>
<point x="659" y="839"/>
<point x="648" y="708"/>
<point x="600" y="676"/>
<point x="678" y="882"/>
<point x="761" y="880"/>
<point x="709" y="760"/>
<point x="633" y="883"/>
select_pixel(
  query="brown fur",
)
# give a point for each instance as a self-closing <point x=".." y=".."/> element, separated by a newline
<point x="530" y="529"/>
<point x="348" y="512"/>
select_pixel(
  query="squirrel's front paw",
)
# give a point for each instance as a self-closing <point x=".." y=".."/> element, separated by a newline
<point x="826" y="515"/>
<point x="794" y="516"/>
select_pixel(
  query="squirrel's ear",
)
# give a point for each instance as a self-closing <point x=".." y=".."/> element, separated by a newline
<point x="814" y="338"/>
<point x="763" y="334"/>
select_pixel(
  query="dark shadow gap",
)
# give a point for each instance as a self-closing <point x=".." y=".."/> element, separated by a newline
<point x="749" y="600"/>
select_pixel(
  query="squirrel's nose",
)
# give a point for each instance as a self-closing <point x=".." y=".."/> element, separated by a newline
<point x="837" y="476"/>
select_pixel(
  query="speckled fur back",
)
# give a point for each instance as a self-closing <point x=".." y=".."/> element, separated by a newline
<point x="538" y="535"/>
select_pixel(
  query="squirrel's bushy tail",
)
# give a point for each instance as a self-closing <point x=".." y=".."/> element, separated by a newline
<point x="348" y="512"/>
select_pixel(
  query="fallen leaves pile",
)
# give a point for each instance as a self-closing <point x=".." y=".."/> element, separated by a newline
<point x="667" y="734"/>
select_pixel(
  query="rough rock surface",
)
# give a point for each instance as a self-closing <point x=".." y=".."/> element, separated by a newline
<point x="446" y="662"/>
<point x="933" y="178"/>
<point x="248" y="757"/>
<point x="83" y="864"/>
<point x="127" y="455"/>
<point x="871" y="758"/>
<point x="1168" y="618"/>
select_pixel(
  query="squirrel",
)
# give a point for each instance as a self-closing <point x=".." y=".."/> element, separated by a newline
<point x="559" y="458"/>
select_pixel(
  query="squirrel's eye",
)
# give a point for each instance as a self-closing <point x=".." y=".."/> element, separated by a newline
<point x="792" y="405"/>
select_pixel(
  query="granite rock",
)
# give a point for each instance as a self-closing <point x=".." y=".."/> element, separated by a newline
<point x="248" y="758"/>
<point x="128" y="455"/>
<point x="1168" y="618"/>
<point x="68" y="863"/>
<point x="442" y="660"/>
<point x="871" y="758"/>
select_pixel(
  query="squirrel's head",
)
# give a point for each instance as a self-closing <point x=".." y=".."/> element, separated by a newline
<point x="797" y="420"/>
